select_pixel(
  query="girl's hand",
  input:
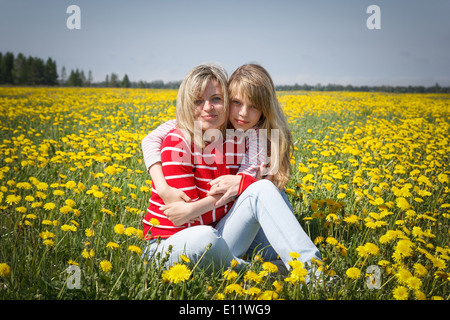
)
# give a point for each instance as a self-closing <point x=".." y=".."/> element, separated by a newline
<point x="228" y="185"/>
<point x="264" y="173"/>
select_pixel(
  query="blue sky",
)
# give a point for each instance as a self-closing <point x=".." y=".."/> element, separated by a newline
<point x="322" y="41"/>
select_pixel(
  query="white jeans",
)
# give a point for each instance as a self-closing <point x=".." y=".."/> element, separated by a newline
<point x="261" y="218"/>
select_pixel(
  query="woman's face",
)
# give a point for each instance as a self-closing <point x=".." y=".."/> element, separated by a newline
<point x="243" y="114"/>
<point x="210" y="108"/>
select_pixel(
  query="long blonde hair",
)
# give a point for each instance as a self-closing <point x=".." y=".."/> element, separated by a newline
<point x="193" y="85"/>
<point x="255" y="83"/>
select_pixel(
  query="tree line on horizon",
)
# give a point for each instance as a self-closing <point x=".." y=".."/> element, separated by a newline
<point x="33" y="71"/>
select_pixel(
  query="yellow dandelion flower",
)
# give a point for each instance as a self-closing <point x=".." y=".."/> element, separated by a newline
<point x="252" y="276"/>
<point x="372" y="249"/>
<point x="13" y="199"/>
<point x="294" y="255"/>
<point x="402" y="203"/>
<point x="5" y="270"/>
<point x="35" y="205"/>
<point x="71" y="184"/>
<point x="332" y="218"/>
<point x="420" y="295"/>
<point x="110" y="170"/>
<point x="49" y="206"/>
<point x="88" y="254"/>
<point x="58" y="193"/>
<point x="230" y="275"/>
<point x="270" y="267"/>
<point x="24" y="185"/>
<point x="42" y="186"/>
<point x="414" y="283"/>
<point x="46" y="235"/>
<point x="154" y="222"/>
<point x="318" y="240"/>
<point x="400" y="293"/>
<point x="66" y="227"/>
<point x="21" y="209"/>
<point x="234" y="263"/>
<point x="112" y="245"/>
<point x="98" y="194"/>
<point x="438" y="263"/>
<point x="341" y="195"/>
<point x="403" y="275"/>
<point x="135" y="249"/>
<point x="220" y="296"/>
<point x="119" y="228"/>
<point x="443" y="178"/>
<point x="177" y="273"/>
<point x="105" y="266"/>
<point x="278" y="285"/>
<point x="404" y="248"/>
<point x="353" y="273"/>
<point x="70" y="203"/>
<point x="108" y="212"/>
<point x="352" y="219"/>
<point x="116" y="190"/>
<point x="234" y="288"/>
<point x="49" y="242"/>
<point x="268" y="295"/>
<point x="184" y="258"/>
<point x="130" y="231"/>
<point x="332" y="241"/>
<point x="253" y="291"/>
<point x="420" y="270"/>
<point x="89" y="232"/>
<point x="65" y="209"/>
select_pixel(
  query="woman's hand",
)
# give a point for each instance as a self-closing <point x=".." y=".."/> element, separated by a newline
<point x="167" y="193"/>
<point x="228" y="185"/>
<point x="170" y="195"/>
<point x="179" y="213"/>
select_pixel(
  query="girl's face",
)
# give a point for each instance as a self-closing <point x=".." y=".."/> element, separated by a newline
<point x="243" y="114"/>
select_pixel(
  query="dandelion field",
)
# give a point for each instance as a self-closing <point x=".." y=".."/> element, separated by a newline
<point x="370" y="186"/>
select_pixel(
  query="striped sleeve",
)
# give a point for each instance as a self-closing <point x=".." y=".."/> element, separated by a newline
<point x="255" y="154"/>
<point x="151" y="144"/>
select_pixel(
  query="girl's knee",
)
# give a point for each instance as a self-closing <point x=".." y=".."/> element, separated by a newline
<point x="262" y="186"/>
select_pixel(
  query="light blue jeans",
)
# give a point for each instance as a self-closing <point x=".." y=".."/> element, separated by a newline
<point x="260" y="220"/>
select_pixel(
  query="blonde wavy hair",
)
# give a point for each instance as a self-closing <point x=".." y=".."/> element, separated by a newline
<point x="255" y="83"/>
<point x="193" y="86"/>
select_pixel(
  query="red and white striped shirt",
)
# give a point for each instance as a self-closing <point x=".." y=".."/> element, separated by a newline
<point x="255" y="152"/>
<point x="190" y="169"/>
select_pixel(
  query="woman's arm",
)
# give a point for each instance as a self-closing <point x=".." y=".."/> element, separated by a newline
<point x="180" y="212"/>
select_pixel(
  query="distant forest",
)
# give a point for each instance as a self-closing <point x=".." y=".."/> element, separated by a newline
<point x="33" y="71"/>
